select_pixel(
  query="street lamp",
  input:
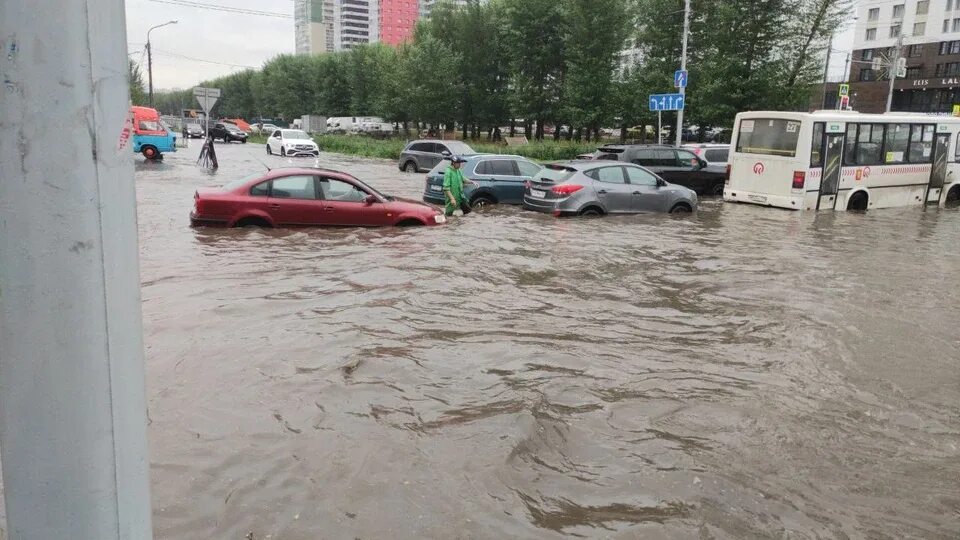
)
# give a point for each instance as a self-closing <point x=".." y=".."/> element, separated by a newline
<point x="150" y="57"/>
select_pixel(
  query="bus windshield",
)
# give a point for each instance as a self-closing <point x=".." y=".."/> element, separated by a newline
<point x="769" y="136"/>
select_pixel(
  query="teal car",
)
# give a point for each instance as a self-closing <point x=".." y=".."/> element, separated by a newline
<point x="499" y="179"/>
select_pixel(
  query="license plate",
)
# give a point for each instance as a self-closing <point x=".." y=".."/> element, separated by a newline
<point x="436" y="188"/>
<point x="537" y="194"/>
<point x="757" y="198"/>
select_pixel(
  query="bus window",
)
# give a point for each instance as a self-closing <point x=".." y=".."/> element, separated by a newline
<point x="769" y="136"/>
<point x="898" y="135"/>
<point x="850" y="150"/>
<point x="816" y="146"/>
<point x="921" y="144"/>
<point x="870" y="144"/>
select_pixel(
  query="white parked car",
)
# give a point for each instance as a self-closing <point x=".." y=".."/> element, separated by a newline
<point x="291" y="142"/>
<point x="264" y="128"/>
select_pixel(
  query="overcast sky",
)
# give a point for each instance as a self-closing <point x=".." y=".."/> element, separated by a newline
<point x="202" y="34"/>
<point x="198" y="46"/>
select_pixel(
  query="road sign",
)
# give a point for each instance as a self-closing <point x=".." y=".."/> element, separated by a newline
<point x="844" y="89"/>
<point x="901" y="72"/>
<point x="680" y="78"/>
<point x="901" y="63"/>
<point x="956" y="110"/>
<point x="666" y="102"/>
<point x="207" y="97"/>
<point x="844" y="103"/>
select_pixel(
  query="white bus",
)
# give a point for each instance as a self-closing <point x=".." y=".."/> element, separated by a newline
<point x="843" y="160"/>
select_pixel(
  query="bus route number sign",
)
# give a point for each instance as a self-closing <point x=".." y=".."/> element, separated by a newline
<point x="666" y="102"/>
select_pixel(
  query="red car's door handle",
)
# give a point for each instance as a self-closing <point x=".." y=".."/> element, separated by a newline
<point x="328" y="208"/>
<point x="274" y="206"/>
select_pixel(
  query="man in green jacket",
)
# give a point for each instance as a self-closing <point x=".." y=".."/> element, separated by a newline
<point x="453" y="183"/>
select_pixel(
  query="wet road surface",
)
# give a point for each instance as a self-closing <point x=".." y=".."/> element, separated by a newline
<point x="740" y="373"/>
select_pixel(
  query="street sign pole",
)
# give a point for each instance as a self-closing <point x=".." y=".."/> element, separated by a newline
<point x="683" y="66"/>
<point x="659" y="127"/>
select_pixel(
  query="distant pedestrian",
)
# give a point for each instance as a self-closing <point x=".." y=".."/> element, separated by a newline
<point x="453" y="184"/>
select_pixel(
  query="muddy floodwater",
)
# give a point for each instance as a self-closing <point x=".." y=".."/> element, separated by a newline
<point x="740" y="373"/>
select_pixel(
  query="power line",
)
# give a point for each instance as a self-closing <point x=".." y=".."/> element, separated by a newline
<point x="226" y="9"/>
<point x="185" y="57"/>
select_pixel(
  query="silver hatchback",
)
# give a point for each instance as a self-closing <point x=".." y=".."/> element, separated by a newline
<point x="594" y="188"/>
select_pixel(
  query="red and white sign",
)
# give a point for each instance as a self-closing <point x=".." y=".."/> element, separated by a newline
<point x="758" y="168"/>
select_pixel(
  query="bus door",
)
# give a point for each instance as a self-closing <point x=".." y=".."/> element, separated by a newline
<point x="830" y="179"/>
<point x="938" y="173"/>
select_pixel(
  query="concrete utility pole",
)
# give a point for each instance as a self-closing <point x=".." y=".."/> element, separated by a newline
<point x="683" y="66"/>
<point x="150" y="58"/>
<point x="72" y="404"/>
<point x="892" y="70"/>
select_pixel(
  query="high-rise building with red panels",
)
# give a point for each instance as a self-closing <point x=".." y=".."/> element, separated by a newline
<point x="397" y="20"/>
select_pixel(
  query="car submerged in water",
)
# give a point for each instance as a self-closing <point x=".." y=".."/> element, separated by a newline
<point x="298" y="197"/>
<point x="596" y="188"/>
<point x="497" y="179"/>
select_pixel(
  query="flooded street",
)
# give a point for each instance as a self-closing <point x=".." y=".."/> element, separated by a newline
<point x="740" y="373"/>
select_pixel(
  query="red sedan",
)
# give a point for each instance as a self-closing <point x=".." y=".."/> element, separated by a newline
<point x="306" y="197"/>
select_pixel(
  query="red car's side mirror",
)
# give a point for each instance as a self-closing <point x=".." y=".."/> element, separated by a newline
<point x="371" y="199"/>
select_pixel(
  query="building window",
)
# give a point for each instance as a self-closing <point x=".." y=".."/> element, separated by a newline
<point x="898" y="11"/>
<point x="867" y="54"/>
<point x="945" y="70"/>
<point x="919" y="29"/>
<point x="874" y="14"/>
<point x="871" y="34"/>
<point x="923" y="7"/>
<point x="956" y="26"/>
<point x="867" y="75"/>
<point x="914" y="51"/>
<point x="949" y="5"/>
<point x="950" y="47"/>
<point x="914" y="72"/>
<point x="895" y="30"/>
<point x="946" y="25"/>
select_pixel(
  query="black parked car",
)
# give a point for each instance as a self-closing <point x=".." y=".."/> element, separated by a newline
<point x="676" y="166"/>
<point x="227" y="132"/>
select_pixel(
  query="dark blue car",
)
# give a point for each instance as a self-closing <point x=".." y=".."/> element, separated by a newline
<point x="499" y="178"/>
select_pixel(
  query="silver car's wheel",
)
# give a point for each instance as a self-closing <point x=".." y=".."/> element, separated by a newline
<point x="410" y="167"/>
<point x="681" y="208"/>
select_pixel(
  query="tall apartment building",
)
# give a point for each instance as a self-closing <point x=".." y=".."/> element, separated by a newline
<point x="334" y="25"/>
<point x="398" y="18"/>
<point x="313" y="22"/>
<point x="930" y="34"/>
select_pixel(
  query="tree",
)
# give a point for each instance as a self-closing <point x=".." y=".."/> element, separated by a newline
<point x="138" y="96"/>
<point x="534" y="40"/>
<point x="596" y="33"/>
<point x="431" y="65"/>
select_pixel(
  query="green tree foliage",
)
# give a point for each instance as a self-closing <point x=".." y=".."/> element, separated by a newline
<point x="138" y="96"/>
<point x="482" y="64"/>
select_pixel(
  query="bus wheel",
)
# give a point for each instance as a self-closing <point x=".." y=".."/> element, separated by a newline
<point x="149" y="152"/>
<point x="953" y="196"/>
<point x="858" y="201"/>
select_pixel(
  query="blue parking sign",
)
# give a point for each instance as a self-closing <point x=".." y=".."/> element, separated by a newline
<point x="680" y="78"/>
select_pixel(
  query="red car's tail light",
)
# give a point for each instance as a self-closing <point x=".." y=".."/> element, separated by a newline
<point x="566" y="189"/>
<point x="799" y="179"/>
